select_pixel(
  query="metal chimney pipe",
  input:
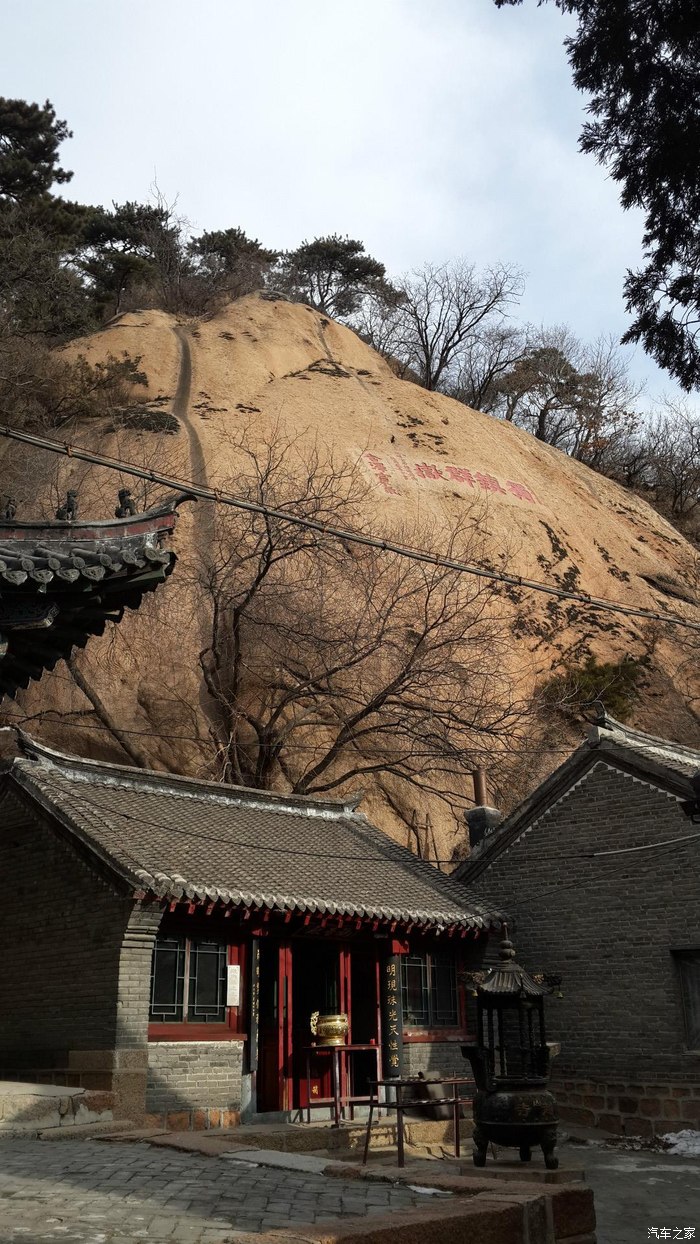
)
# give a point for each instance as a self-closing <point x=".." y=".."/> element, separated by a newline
<point x="479" y="780"/>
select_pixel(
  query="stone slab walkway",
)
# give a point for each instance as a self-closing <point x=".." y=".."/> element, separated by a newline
<point x="638" y="1191"/>
<point x="87" y="1192"/>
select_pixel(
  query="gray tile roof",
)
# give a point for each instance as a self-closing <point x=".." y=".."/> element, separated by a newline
<point x="611" y="735"/>
<point x="181" y="838"/>
<point x="668" y="765"/>
<point x="61" y="582"/>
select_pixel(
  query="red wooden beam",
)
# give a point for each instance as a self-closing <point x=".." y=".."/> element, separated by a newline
<point x="399" y="946"/>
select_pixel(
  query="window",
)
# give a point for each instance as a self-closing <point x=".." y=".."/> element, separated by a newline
<point x="688" y="963"/>
<point x="188" y="982"/>
<point x="429" y="991"/>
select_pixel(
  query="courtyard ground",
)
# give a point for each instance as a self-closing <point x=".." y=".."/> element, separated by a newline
<point x="637" y="1191"/>
<point x="91" y="1192"/>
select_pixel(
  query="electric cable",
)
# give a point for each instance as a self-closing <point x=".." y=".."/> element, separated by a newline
<point x="344" y="535"/>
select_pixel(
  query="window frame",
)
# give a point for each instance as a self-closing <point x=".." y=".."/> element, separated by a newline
<point x="433" y="1029"/>
<point x="680" y="954"/>
<point x="186" y="1029"/>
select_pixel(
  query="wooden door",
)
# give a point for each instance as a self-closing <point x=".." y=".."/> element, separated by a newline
<point x="275" y="1033"/>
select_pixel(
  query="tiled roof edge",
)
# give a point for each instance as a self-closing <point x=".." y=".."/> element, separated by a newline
<point x="81" y="769"/>
<point x="31" y="790"/>
<point x="608" y="730"/>
<point x="607" y="741"/>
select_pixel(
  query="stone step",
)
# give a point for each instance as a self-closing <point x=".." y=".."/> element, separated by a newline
<point x="305" y="1137"/>
<point x="27" y="1108"/>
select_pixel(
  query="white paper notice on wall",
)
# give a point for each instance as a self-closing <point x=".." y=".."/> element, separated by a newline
<point x="233" y="985"/>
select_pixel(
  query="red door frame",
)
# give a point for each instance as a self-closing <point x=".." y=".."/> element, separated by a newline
<point x="345" y="999"/>
<point x="284" y="1030"/>
<point x="285" y="1047"/>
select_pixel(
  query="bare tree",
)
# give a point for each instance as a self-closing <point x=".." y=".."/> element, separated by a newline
<point x="326" y="663"/>
<point x="443" y="311"/>
<point x="578" y="398"/>
<point x="484" y="360"/>
<point x="674" y="450"/>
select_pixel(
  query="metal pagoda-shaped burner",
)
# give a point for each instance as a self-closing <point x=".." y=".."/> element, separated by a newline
<point x="510" y="1063"/>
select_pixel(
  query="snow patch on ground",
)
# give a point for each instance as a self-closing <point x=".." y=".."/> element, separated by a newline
<point x="428" y="1191"/>
<point x="685" y="1144"/>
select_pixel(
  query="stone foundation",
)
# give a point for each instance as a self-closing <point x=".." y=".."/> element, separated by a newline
<point x="31" y="1108"/>
<point x="121" y="1073"/>
<point x="626" y="1109"/>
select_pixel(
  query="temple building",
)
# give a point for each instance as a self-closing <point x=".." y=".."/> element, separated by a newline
<point x="600" y="871"/>
<point x="169" y="941"/>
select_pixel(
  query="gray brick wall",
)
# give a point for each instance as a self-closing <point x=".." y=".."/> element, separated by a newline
<point x="607" y="924"/>
<point x="194" y="1075"/>
<point x="62" y="930"/>
<point x="76" y="969"/>
<point x="434" y="1058"/>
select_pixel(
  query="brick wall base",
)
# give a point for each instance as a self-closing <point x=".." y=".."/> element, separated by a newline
<point x="195" y="1120"/>
<point x="200" y="1081"/>
<point x="626" y="1109"/>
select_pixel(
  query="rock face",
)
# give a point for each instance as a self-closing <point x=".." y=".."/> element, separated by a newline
<point x="262" y="364"/>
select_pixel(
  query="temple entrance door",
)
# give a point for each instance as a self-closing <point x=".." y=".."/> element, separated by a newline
<point x="275" y="1026"/>
<point x="330" y="977"/>
<point x="364" y="1004"/>
<point x="320" y="984"/>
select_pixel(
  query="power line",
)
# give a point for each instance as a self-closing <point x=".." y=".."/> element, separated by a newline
<point x="339" y="533"/>
<point x="647" y="846"/>
<point x="43" y="718"/>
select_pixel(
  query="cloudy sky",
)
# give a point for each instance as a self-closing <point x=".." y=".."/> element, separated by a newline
<point x="427" y="128"/>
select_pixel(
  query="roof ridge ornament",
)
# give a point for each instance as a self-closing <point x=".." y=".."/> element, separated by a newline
<point x="508" y="978"/>
<point x="506" y="949"/>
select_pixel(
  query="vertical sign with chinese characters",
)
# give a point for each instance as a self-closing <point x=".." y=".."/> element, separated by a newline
<point x="392" y="1024"/>
<point x="254" y="995"/>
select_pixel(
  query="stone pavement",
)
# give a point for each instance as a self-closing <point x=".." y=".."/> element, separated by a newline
<point x="636" y="1191"/>
<point x="87" y="1192"/>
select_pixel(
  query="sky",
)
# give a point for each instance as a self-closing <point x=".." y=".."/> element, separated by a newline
<point x="429" y="129"/>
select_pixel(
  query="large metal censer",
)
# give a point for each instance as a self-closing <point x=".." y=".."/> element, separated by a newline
<point x="330" y="1029"/>
<point x="510" y="1062"/>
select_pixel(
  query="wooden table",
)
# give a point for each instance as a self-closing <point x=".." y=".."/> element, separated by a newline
<point x="400" y="1106"/>
<point x="340" y="1098"/>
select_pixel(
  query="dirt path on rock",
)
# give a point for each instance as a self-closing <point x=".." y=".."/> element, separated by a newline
<point x="181" y="410"/>
<point x="204" y="521"/>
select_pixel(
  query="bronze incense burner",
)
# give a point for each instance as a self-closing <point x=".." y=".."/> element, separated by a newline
<point x="510" y="1063"/>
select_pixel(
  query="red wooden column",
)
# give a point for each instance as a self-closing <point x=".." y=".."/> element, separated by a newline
<point x="284" y="1033"/>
